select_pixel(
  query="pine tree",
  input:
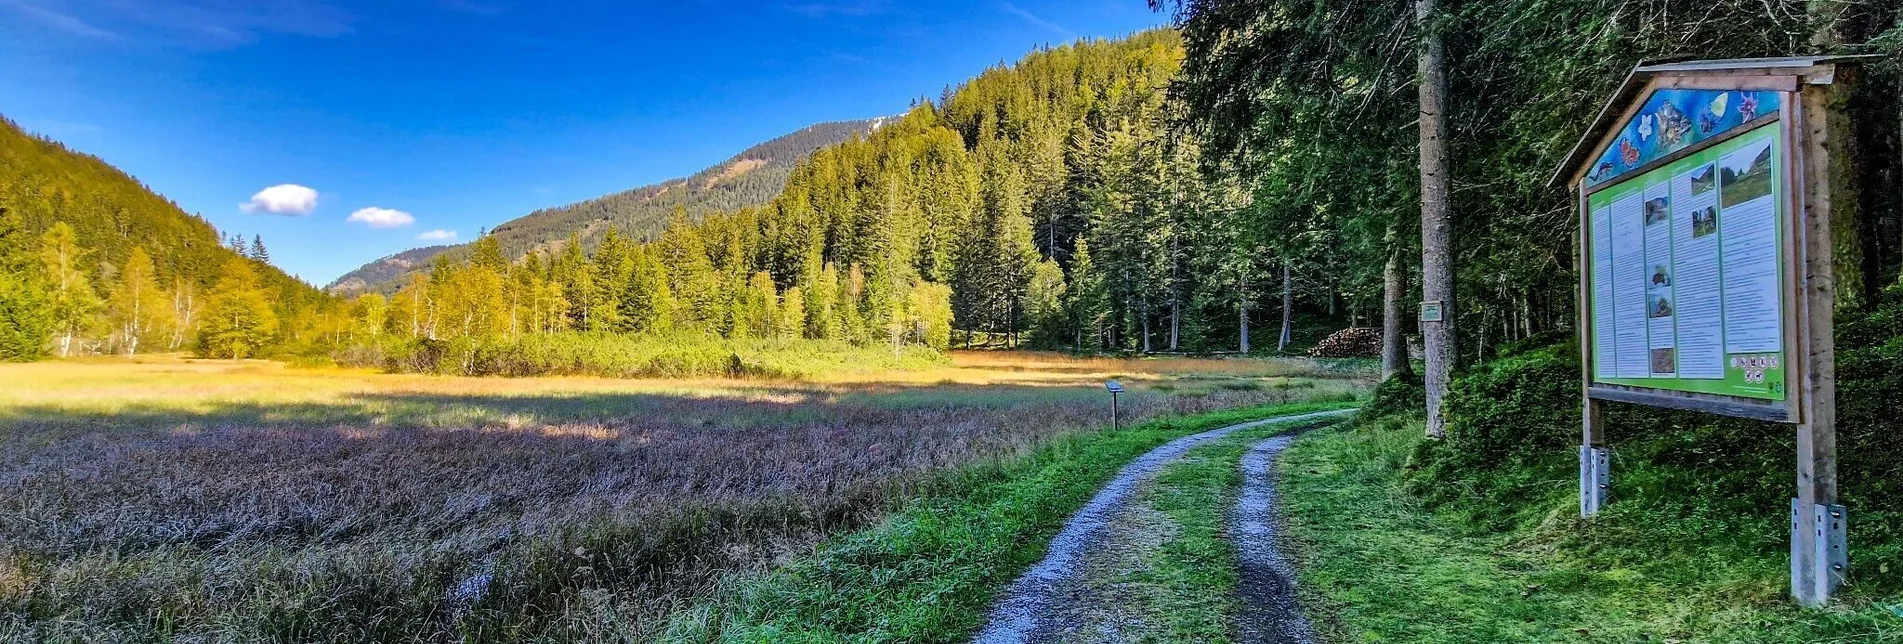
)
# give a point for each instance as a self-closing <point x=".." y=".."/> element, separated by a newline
<point x="239" y="321"/>
<point x="1044" y="306"/>
<point x="26" y="315"/>
<point x="647" y="305"/>
<point x="690" y="274"/>
<point x="257" y="250"/>
<point x="135" y="307"/>
<point x="1437" y="254"/>
<point x="75" y="306"/>
<point x="613" y="271"/>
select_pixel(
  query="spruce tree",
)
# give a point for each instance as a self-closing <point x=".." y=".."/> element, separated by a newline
<point x="26" y="315"/>
<point x="239" y="321"/>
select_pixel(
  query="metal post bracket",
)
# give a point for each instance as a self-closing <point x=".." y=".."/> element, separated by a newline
<point x="1816" y="575"/>
<point x="1595" y="479"/>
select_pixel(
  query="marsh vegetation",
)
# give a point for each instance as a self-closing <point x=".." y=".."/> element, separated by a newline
<point x="164" y="498"/>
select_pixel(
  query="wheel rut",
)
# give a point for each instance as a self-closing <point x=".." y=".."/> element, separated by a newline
<point x="1074" y="593"/>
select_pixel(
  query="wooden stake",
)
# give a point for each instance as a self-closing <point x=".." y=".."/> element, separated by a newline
<point x="1816" y="570"/>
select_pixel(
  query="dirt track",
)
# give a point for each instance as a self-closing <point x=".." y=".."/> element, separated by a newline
<point x="1065" y="597"/>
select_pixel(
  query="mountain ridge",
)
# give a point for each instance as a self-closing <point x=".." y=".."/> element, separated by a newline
<point x="751" y="177"/>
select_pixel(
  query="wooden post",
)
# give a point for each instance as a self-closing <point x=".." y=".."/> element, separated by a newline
<point x="1818" y="558"/>
<point x="1594" y="460"/>
<point x="1595" y="475"/>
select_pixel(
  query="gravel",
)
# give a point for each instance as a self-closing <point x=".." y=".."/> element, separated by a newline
<point x="1047" y="589"/>
<point x="1270" y="612"/>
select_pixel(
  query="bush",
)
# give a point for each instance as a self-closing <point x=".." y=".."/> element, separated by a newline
<point x="1403" y="394"/>
<point x="632" y="356"/>
<point x="1517" y="407"/>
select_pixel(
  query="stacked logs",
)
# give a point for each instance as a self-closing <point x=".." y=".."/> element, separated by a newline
<point x="1353" y="342"/>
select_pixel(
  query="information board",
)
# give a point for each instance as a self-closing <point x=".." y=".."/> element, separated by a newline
<point x="1687" y="269"/>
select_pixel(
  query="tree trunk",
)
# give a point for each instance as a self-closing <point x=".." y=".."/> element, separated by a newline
<point x="1437" y="271"/>
<point x="1176" y="319"/>
<point x="1852" y="270"/>
<point x="1288" y="313"/>
<point x="1242" y="312"/>
<point x="1394" y="359"/>
<point x="1146" y="327"/>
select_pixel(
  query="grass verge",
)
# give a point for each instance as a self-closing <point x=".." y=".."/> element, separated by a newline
<point x="928" y="573"/>
<point x="1380" y="567"/>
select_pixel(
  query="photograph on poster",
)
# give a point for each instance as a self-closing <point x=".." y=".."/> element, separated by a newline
<point x="1704" y="221"/>
<point x="1657" y="211"/>
<point x="1661" y="276"/>
<point x="1664" y="360"/>
<point x="1704" y="179"/>
<point x="1747" y="175"/>
<point x="1661" y="306"/>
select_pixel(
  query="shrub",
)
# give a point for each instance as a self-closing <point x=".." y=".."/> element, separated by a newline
<point x="1517" y="407"/>
<point x="632" y="356"/>
<point x="1400" y="395"/>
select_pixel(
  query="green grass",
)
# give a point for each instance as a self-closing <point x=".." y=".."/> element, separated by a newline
<point x="1196" y="570"/>
<point x="928" y="573"/>
<point x="1381" y="567"/>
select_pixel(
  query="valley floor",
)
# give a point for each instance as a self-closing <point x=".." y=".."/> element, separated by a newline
<point x="151" y="499"/>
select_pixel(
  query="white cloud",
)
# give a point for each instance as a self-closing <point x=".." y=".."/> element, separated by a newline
<point x="285" y="199"/>
<point x="375" y="217"/>
<point x="437" y="236"/>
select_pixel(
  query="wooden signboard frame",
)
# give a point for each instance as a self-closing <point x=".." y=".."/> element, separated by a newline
<point x="1811" y="128"/>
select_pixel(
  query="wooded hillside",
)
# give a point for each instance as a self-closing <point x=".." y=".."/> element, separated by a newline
<point x="77" y="229"/>
<point x="750" y="178"/>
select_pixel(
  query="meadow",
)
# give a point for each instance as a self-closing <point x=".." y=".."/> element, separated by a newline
<point x="165" y="499"/>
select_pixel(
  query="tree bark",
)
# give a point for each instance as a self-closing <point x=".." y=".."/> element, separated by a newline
<point x="1394" y="359"/>
<point x="1176" y="309"/>
<point x="1146" y="326"/>
<point x="1437" y="271"/>
<point x="1242" y="312"/>
<point x="1288" y="313"/>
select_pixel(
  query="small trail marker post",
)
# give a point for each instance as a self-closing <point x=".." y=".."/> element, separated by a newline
<point x="1705" y="267"/>
<point x="1115" y="388"/>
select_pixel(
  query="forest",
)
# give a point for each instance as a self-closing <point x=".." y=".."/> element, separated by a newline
<point x="1298" y="168"/>
<point x="98" y="263"/>
<point x="750" y="178"/>
<point x="1096" y="196"/>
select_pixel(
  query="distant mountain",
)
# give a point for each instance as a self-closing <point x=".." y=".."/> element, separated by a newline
<point x="751" y="178"/>
<point x="386" y="273"/>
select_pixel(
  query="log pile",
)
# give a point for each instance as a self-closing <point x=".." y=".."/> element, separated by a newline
<point x="1353" y="342"/>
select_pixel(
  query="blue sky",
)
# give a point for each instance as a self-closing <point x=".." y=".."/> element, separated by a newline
<point x="463" y="114"/>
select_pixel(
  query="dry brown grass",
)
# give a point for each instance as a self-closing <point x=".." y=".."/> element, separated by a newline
<point x="253" y="501"/>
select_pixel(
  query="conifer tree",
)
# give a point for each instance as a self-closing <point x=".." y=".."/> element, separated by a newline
<point x="26" y="315"/>
<point x="239" y="321"/>
<point x="690" y="274"/>
<point x="613" y="271"/>
<point x="647" y="305"/>
<point x="257" y="250"/>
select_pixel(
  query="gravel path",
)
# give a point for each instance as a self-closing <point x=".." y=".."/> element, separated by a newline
<point x="1270" y="613"/>
<point x="1037" y="607"/>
